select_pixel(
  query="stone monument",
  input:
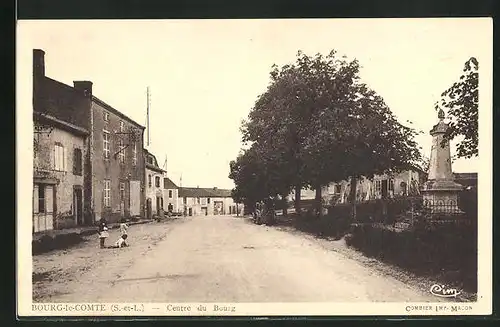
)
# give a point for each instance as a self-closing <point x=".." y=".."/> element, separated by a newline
<point x="440" y="192"/>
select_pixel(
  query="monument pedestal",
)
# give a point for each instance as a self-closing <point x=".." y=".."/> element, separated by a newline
<point x="441" y="196"/>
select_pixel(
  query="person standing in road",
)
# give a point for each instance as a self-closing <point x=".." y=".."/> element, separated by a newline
<point x="103" y="232"/>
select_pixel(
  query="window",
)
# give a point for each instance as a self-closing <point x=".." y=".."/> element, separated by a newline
<point x="184" y="200"/>
<point x="157" y="181"/>
<point x="134" y="154"/>
<point x="41" y="198"/>
<point x="391" y="185"/>
<point x="121" y="154"/>
<point x="170" y="195"/>
<point x="208" y="200"/>
<point x="337" y="188"/>
<point x="122" y="126"/>
<point x="378" y="186"/>
<point x="107" y="192"/>
<point x="77" y="162"/>
<point x="106" y="147"/>
<point x="106" y="116"/>
<point x="198" y="200"/>
<point x="149" y="180"/>
<point x="59" y="158"/>
<point x="122" y="191"/>
<point x="204" y="201"/>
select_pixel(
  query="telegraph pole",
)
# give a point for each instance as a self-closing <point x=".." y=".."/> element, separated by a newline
<point x="147" y="113"/>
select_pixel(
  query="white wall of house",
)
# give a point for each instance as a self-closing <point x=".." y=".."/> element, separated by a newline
<point x="400" y="184"/>
<point x="171" y="196"/>
<point x="154" y="189"/>
<point x="209" y="206"/>
<point x="53" y="161"/>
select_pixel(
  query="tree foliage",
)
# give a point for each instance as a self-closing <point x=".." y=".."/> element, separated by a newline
<point x="317" y="123"/>
<point x="461" y="103"/>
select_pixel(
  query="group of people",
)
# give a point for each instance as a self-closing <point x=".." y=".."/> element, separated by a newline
<point x="104" y="234"/>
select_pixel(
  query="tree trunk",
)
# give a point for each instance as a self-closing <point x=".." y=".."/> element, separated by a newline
<point x="298" y="189"/>
<point x="317" y="201"/>
<point x="352" y="196"/>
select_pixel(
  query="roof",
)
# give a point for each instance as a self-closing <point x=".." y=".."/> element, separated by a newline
<point x="196" y="192"/>
<point x="168" y="184"/>
<point x="116" y="112"/>
<point x="62" y="100"/>
<point x="49" y="120"/>
<point x="155" y="168"/>
<point x="465" y="175"/>
<point x="466" y="179"/>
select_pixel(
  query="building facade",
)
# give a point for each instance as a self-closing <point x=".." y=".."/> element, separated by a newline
<point x="407" y="182"/>
<point x="58" y="170"/>
<point x="154" y="188"/>
<point x="114" y="166"/>
<point x="171" y="196"/>
<point x="195" y="201"/>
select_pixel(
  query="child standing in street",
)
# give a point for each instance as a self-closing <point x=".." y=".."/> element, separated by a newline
<point x="103" y="232"/>
<point x="123" y="229"/>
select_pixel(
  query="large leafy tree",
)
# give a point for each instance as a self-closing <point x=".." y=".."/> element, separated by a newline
<point x="316" y="123"/>
<point x="461" y="103"/>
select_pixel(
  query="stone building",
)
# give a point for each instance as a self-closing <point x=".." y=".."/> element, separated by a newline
<point x="197" y="201"/>
<point x="154" y="187"/>
<point x="58" y="170"/>
<point x="113" y="180"/>
<point x="171" y="196"/>
<point x="404" y="183"/>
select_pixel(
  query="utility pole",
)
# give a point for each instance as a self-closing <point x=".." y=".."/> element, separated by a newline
<point x="147" y="113"/>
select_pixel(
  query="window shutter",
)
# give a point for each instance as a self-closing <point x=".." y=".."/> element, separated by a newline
<point x="35" y="199"/>
<point x="49" y="199"/>
<point x="56" y="156"/>
<point x="75" y="161"/>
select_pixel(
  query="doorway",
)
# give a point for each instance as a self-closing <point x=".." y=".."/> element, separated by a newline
<point x="78" y="205"/>
<point x="158" y="205"/>
<point x="149" y="212"/>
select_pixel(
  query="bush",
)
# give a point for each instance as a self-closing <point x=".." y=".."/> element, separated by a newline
<point x="448" y="251"/>
<point x="47" y="243"/>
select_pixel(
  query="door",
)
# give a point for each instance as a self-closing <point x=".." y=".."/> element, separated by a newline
<point x="135" y="198"/>
<point x="78" y="205"/>
<point x="384" y="188"/>
<point x="149" y="209"/>
<point x="190" y="211"/>
<point x="158" y="205"/>
<point x="43" y="212"/>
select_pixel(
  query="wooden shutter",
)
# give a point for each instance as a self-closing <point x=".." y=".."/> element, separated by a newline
<point x="49" y="199"/>
<point x="35" y="199"/>
<point x="75" y="161"/>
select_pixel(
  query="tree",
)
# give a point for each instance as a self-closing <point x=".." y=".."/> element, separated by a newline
<point x="316" y="123"/>
<point x="461" y="103"/>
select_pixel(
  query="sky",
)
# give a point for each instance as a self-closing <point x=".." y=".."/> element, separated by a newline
<point x="205" y="75"/>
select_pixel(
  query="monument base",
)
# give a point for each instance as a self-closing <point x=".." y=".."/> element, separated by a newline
<point x="441" y="196"/>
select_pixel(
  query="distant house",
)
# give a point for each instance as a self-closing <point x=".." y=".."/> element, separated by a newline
<point x="154" y="186"/>
<point x="171" y="196"/>
<point x="403" y="183"/>
<point x="195" y="201"/>
<point x="466" y="179"/>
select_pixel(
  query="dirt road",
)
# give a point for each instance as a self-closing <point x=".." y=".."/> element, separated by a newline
<point x="213" y="259"/>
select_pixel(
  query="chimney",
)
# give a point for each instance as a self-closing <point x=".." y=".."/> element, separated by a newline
<point x="84" y="86"/>
<point x="38" y="63"/>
